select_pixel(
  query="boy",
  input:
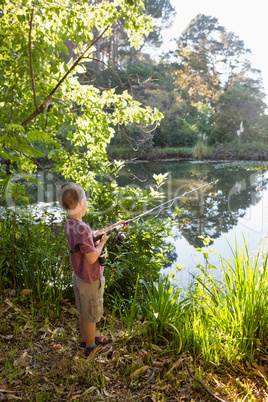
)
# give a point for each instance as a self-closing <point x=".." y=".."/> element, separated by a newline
<point x="88" y="280"/>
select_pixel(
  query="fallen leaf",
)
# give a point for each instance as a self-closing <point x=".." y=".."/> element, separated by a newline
<point x="259" y="371"/>
<point x="158" y="364"/>
<point x="73" y="310"/>
<point x="23" y="360"/>
<point x="57" y="389"/>
<point x="139" y="371"/>
<point x="175" y="365"/>
<point x="238" y="366"/>
<point x="88" y="391"/>
<point x="63" y="364"/>
<point x="165" y="387"/>
<point x="46" y="330"/>
<point x="4" y="384"/>
<point x="59" y="331"/>
<point x="26" y="292"/>
<point x="156" y="347"/>
<point x="4" y="309"/>
<point x="106" y="393"/>
<point x="7" y="301"/>
<point x="56" y="347"/>
<point x="27" y="326"/>
<point x="7" y="337"/>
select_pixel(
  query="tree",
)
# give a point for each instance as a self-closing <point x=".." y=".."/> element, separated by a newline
<point x="239" y="104"/>
<point x="202" y="37"/>
<point x="233" y="56"/>
<point x="196" y="80"/>
<point x="222" y="52"/>
<point x="215" y="75"/>
<point x="117" y="49"/>
<point x="44" y="103"/>
<point x="163" y="13"/>
<point x="51" y="107"/>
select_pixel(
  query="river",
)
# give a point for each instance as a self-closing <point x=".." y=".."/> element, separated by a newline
<point x="231" y="212"/>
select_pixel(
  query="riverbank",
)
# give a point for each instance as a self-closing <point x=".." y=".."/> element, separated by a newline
<point x="247" y="152"/>
<point x="41" y="361"/>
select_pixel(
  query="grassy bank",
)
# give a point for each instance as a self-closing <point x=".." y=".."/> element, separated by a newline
<point x="41" y="361"/>
<point x="248" y="152"/>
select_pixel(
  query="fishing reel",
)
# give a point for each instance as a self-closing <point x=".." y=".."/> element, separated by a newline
<point x="103" y="256"/>
<point x="119" y="239"/>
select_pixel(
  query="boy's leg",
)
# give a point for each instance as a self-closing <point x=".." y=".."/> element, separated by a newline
<point x="99" y="340"/>
<point x="81" y="327"/>
<point x="90" y="299"/>
<point x="87" y="331"/>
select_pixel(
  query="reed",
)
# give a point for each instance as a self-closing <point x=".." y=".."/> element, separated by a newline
<point x="163" y="310"/>
<point x="230" y="316"/>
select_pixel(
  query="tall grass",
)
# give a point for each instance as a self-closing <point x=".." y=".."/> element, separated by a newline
<point x="40" y="260"/>
<point x="221" y="320"/>
<point x="200" y="151"/>
<point x="232" y="314"/>
<point x="163" y="310"/>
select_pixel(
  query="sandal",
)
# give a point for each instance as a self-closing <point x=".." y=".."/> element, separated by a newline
<point x="98" y="350"/>
<point x="99" y="340"/>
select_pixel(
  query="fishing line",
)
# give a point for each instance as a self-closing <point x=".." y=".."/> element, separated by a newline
<point x="116" y="229"/>
<point x="164" y="205"/>
<point x="168" y="203"/>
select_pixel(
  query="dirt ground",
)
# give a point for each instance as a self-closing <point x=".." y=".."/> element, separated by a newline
<point x="40" y="360"/>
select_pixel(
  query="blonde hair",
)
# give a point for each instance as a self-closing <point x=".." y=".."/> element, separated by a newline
<point x="69" y="195"/>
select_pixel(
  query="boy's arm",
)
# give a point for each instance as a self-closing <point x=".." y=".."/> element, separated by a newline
<point x="101" y="231"/>
<point x="94" y="255"/>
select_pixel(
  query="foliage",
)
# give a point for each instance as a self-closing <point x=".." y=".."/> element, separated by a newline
<point x="34" y="256"/>
<point x="225" y="321"/>
<point x="201" y="150"/>
<point x="164" y="309"/>
<point x="239" y="104"/>
<point x="44" y="101"/>
<point x="208" y="86"/>
<point x="230" y="315"/>
<point x="212" y="49"/>
<point x="49" y="108"/>
<point x="195" y="79"/>
<point x="146" y="237"/>
<point x="118" y="48"/>
<point x="214" y="71"/>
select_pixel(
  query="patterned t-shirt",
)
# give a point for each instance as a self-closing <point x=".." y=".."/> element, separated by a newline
<point x="79" y="233"/>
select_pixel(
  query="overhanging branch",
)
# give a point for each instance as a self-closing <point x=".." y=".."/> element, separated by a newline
<point x="41" y="108"/>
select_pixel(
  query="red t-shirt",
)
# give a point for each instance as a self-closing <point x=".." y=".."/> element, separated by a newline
<point x="78" y="232"/>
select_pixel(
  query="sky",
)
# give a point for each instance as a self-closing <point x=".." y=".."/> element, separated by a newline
<point x="247" y="19"/>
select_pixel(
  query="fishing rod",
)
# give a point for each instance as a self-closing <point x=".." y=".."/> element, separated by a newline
<point x="118" y="227"/>
<point x="120" y="237"/>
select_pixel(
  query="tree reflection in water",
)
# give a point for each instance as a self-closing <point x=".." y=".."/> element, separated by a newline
<point x="214" y="210"/>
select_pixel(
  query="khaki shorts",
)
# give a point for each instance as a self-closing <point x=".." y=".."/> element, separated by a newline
<point x="89" y="298"/>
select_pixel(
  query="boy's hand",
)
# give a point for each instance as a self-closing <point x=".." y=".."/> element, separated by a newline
<point x="104" y="238"/>
<point x="121" y="223"/>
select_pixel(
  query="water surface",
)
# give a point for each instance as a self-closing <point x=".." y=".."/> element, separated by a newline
<point x="231" y="212"/>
